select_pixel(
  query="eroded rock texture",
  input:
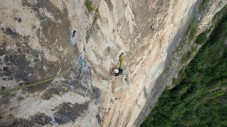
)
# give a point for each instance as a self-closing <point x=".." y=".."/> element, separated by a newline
<point x="75" y="88"/>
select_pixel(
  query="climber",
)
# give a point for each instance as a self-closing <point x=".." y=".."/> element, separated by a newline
<point x="118" y="70"/>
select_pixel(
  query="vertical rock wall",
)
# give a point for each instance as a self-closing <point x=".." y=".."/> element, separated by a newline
<point x="73" y="85"/>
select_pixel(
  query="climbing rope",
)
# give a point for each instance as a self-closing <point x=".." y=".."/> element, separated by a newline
<point x="34" y="84"/>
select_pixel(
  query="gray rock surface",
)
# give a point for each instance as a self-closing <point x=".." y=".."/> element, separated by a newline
<point x="68" y="73"/>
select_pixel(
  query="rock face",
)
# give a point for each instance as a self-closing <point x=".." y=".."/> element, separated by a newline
<point x="64" y="50"/>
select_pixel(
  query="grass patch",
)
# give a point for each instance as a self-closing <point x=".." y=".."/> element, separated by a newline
<point x="89" y="5"/>
<point x="97" y="10"/>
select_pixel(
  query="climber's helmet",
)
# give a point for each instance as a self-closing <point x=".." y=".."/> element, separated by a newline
<point x="116" y="71"/>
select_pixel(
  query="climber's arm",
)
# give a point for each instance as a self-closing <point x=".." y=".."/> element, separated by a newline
<point x="114" y="66"/>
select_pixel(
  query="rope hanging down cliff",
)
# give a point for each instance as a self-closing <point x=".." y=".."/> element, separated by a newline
<point x="35" y="83"/>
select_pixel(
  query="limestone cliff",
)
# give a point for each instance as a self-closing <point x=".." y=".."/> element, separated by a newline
<point x="56" y="56"/>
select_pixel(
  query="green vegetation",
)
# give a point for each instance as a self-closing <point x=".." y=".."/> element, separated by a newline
<point x="96" y="16"/>
<point x="186" y="57"/>
<point x="202" y="37"/>
<point x="203" y="5"/>
<point x="199" y="98"/>
<point x="97" y="10"/>
<point x="189" y="35"/>
<point x="218" y="17"/>
<point x="192" y="30"/>
<point x="88" y="5"/>
<point x="95" y="19"/>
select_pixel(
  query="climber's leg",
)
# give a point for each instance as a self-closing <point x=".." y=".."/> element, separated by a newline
<point x="121" y="59"/>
